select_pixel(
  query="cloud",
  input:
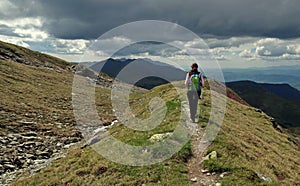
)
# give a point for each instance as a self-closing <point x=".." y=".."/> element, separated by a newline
<point x="273" y="49"/>
<point x="229" y="42"/>
<point x="6" y="8"/>
<point x="232" y="29"/>
<point x="22" y="22"/>
<point x="77" y="46"/>
<point x="24" y="27"/>
<point x="247" y="53"/>
<point x="32" y="33"/>
<point x="76" y="19"/>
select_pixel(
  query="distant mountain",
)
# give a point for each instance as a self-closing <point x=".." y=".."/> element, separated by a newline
<point x="284" y="74"/>
<point x="283" y="90"/>
<point x="144" y="73"/>
<point x="281" y="101"/>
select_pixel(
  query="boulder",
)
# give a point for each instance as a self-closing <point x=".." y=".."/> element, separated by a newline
<point x="159" y="137"/>
<point x="212" y="155"/>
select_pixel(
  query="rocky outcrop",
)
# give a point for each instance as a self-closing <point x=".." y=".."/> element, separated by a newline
<point x="31" y="147"/>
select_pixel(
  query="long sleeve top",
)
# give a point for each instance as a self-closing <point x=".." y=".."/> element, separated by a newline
<point x="188" y="79"/>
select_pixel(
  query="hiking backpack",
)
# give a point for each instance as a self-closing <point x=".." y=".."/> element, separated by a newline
<point x="195" y="82"/>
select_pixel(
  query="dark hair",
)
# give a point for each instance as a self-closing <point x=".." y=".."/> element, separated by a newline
<point x="194" y="65"/>
<point x="194" y="71"/>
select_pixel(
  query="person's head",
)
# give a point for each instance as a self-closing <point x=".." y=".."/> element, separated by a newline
<point x="194" y="66"/>
<point x="194" y="69"/>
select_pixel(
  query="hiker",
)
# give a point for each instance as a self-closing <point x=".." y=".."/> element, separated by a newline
<point x="194" y="81"/>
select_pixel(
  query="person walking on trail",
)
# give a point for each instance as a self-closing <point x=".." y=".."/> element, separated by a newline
<point x="194" y="81"/>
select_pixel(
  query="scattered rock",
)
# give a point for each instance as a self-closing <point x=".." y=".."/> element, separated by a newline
<point x="59" y="144"/>
<point x="265" y="178"/>
<point x="204" y="171"/>
<point x="194" y="179"/>
<point x="93" y="140"/>
<point x="69" y="145"/>
<point x="222" y="175"/>
<point x="212" y="155"/>
<point x="258" y="110"/>
<point x="9" y="166"/>
<point x="159" y="137"/>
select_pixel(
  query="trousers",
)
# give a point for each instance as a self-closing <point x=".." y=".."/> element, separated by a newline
<point x="193" y="97"/>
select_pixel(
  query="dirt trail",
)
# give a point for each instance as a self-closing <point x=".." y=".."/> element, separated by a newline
<point x="197" y="173"/>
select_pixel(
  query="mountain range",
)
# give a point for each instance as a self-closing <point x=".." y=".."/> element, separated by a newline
<point x="142" y="72"/>
<point x="276" y="75"/>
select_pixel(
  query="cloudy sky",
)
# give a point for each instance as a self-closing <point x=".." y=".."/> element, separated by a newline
<point x="239" y="33"/>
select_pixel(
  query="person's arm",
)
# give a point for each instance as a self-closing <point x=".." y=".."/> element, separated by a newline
<point x="187" y="80"/>
<point x="202" y="80"/>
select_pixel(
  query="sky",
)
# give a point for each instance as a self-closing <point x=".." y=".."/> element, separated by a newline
<point x="238" y="33"/>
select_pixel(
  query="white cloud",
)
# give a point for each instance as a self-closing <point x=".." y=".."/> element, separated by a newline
<point x="230" y="42"/>
<point x="77" y="46"/>
<point x="33" y="33"/>
<point x="287" y="56"/>
<point x="246" y="53"/>
<point x="15" y="40"/>
<point x="27" y="28"/>
<point x="23" y="22"/>
<point x="272" y="48"/>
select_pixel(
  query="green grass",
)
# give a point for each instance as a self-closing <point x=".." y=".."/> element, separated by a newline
<point x="285" y="111"/>
<point x="247" y="144"/>
<point x="34" y="94"/>
<point x="86" y="167"/>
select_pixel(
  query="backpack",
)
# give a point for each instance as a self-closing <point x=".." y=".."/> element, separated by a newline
<point x="195" y="82"/>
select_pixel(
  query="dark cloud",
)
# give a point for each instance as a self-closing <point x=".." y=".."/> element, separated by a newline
<point x="73" y="19"/>
<point x="7" y="31"/>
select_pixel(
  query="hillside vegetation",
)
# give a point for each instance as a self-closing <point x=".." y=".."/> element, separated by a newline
<point x="37" y="122"/>
<point x="247" y="147"/>
<point x="279" y="101"/>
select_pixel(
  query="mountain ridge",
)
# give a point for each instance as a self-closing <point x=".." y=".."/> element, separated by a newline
<point x="288" y="74"/>
<point x="149" y="73"/>
<point x="283" y="90"/>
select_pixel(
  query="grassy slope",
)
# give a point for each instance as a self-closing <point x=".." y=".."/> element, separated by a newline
<point x="86" y="167"/>
<point x="33" y="94"/>
<point x="286" y="111"/>
<point x="247" y="145"/>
